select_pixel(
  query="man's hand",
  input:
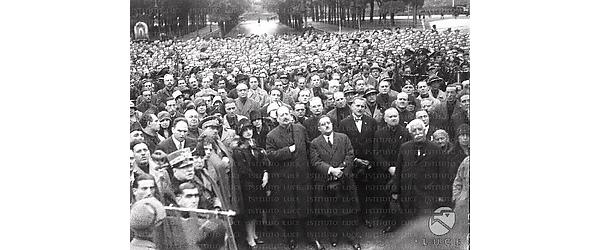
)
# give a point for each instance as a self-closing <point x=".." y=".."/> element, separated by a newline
<point x="395" y="196"/>
<point x="337" y="172"/>
<point x="293" y="148"/>
<point x="392" y="170"/>
<point x="268" y="192"/>
<point x="225" y="159"/>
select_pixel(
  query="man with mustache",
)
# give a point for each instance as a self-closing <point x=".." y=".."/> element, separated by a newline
<point x="420" y="181"/>
<point x="289" y="176"/>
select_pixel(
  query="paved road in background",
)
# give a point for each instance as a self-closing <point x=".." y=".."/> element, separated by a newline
<point x="253" y="27"/>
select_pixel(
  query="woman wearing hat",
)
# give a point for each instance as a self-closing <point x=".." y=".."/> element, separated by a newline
<point x="165" y="125"/>
<point x="250" y="159"/>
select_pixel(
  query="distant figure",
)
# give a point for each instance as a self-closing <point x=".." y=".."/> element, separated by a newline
<point x="259" y="20"/>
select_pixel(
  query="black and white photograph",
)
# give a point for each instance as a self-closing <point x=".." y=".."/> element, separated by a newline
<point x="313" y="124"/>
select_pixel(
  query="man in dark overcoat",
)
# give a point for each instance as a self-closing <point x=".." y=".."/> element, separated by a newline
<point x="386" y="143"/>
<point x="420" y="182"/>
<point x="289" y="175"/>
<point x="360" y="129"/>
<point x="336" y="200"/>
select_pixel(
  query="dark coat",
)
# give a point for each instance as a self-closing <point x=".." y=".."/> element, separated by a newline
<point x="261" y="136"/>
<point x="338" y="115"/>
<point x="386" y="143"/>
<point x="251" y="163"/>
<point x="419" y="178"/>
<point x="361" y="142"/>
<point x="168" y="146"/>
<point x="312" y="127"/>
<point x="344" y="200"/>
<point x="289" y="173"/>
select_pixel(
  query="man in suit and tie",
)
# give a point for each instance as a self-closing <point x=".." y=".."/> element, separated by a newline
<point x="420" y="182"/>
<point x="332" y="159"/>
<point x="244" y="104"/>
<point x="361" y="129"/>
<point x="179" y="139"/>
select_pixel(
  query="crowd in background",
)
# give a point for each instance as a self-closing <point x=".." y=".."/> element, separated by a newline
<point x="370" y="128"/>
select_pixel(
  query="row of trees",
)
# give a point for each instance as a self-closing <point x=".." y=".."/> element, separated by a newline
<point x="180" y="17"/>
<point x="294" y="13"/>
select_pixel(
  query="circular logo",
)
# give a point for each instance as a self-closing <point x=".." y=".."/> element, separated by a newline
<point x="441" y="221"/>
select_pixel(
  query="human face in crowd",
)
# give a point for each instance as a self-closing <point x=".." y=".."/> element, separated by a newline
<point x="147" y="95"/>
<point x="408" y="88"/>
<point x="384" y="87"/>
<point x="375" y="73"/>
<point x="253" y="83"/>
<point x="165" y="123"/>
<point x="417" y="132"/>
<point x="184" y="173"/>
<point x="299" y="110"/>
<point x="464" y="140"/>
<point x="316" y="107"/>
<point x="325" y="126"/>
<point x="340" y="100"/>
<point x="391" y="118"/>
<point x="136" y="136"/>
<point x="423" y="116"/>
<point x="427" y="105"/>
<point x="358" y="107"/>
<point x="222" y="93"/>
<point x="242" y="90"/>
<point x="206" y="82"/>
<point x="422" y="88"/>
<point x="171" y="107"/>
<point x="231" y="79"/>
<point x="248" y="133"/>
<point x="154" y="124"/>
<point x="180" y="131"/>
<point x="189" y="198"/>
<point x="193" y="83"/>
<point x="402" y="100"/>
<point x="451" y="94"/>
<point x="361" y="85"/>
<point x="334" y="86"/>
<point x="465" y="102"/>
<point x="181" y="84"/>
<point x="371" y="98"/>
<point x="278" y="84"/>
<point x="131" y="111"/>
<point x="315" y="81"/>
<point x="303" y="96"/>
<point x="275" y="96"/>
<point x="235" y="71"/>
<point x="221" y="83"/>
<point x="230" y="109"/>
<point x="141" y="154"/>
<point x="131" y="159"/>
<point x="211" y="130"/>
<point x="301" y="83"/>
<point x="440" y="139"/>
<point x="192" y="117"/>
<point x="201" y="109"/>
<point x="169" y="81"/>
<point x="149" y="86"/>
<point x="330" y="101"/>
<point x="144" y="190"/>
<point x="283" y="116"/>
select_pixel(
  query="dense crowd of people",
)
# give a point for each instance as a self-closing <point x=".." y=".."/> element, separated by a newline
<point x="319" y="133"/>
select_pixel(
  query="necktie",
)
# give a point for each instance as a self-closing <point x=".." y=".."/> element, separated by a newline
<point x="329" y="142"/>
